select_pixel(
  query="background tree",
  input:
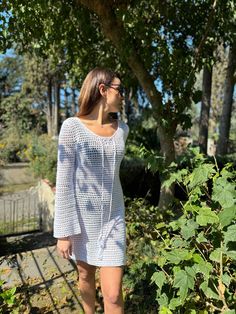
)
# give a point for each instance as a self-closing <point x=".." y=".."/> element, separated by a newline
<point x="205" y="108"/>
<point x="159" y="45"/>
<point x="225" y="119"/>
<point x="10" y="76"/>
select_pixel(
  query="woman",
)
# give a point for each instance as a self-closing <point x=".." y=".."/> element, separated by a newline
<point x="89" y="206"/>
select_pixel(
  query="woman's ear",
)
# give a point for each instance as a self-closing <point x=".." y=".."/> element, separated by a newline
<point x="102" y="89"/>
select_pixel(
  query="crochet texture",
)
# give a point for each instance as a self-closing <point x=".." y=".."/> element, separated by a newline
<point x="89" y="203"/>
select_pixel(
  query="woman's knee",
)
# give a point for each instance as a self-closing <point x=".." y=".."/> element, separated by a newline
<point x="112" y="296"/>
<point x="111" y="284"/>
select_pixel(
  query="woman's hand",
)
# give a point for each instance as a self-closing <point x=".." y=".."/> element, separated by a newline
<point x="64" y="247"/>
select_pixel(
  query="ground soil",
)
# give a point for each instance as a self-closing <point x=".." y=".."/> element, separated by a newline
<point x="46" y="283"/>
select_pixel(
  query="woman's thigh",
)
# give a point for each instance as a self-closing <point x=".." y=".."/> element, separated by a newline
<point x="111" y="280"/>
<point x="86" y="271"/>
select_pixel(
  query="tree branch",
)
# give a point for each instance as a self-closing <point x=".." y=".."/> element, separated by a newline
<point x="115" y="31"/>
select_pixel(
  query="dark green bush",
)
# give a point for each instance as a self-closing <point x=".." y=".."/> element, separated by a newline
<point x="12" y="143"/>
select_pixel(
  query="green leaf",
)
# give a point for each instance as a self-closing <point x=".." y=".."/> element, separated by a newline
<point x="201" y="238"/>
<point x="11" y="300"/>
<point x="189" y="207"/>
<point x="177" y="176"/>
<point x="230" y="234"/>
<point x="176" y="269"/>
<point x="174" y="303"/>
<point x="226" y="279"/>
<point x="13" y="290"/>
<point x="209" y="293"/>
<point x="201" y="174"/>
<point x="179" y="243"/>
<point x="165" y="310"/>
<point x="197" y="258"/>
<point x="230" y="312"/>
<point x="162" y="300"/>
<point x="184" y="281"/>
<point x="224" y="192"/>
<point x="190" y="271"/>
<point x="189" y="229"/>
<point x="231" y="254"/>
<point x="206" y="216"/>
<point x="176" y="224"/>
<point x="160" y="225"/>
<point x="159" y="278"/>
<point x="215" y="255"/>
<point x="205" y="268"/>
<point x="227" y="215"/>
<point x="161" y="261"/>
<point x="176" y="256"/>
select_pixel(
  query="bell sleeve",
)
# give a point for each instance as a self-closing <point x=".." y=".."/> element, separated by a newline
<point x="66" y="222"/>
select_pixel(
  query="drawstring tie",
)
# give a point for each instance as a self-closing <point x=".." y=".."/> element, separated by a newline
<point x="103" y="237"/>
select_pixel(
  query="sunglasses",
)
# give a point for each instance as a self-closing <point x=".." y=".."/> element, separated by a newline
<point x="120" y="89"/>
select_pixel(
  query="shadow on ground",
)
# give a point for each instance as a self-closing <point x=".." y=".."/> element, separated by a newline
<point x="46" y="283"/>
<point x="23" y="243"/>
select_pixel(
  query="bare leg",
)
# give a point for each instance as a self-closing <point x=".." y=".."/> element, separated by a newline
<point x="111" y="284"/>
<point x="87" y="286"/>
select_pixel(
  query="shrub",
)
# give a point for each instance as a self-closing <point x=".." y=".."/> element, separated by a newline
<point x="42" y="154"/>
<point x="185" y="262"/>
<point x="197" y="257"/>
<point x="12" y="143"/>
<point x="143" y="221"/>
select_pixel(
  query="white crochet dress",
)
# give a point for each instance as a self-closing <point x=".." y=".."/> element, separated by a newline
<point x="89" y="203"/>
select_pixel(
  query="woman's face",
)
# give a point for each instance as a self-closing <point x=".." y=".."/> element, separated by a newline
<point x="114" y="95"/>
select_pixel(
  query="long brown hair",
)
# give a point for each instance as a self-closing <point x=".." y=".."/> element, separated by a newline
<point x="89" y="93"/>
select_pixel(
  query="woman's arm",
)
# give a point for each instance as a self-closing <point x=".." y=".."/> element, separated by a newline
<point x="66" y="220"/>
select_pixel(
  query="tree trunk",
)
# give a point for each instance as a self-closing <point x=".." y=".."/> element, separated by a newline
<point x="66" y="103"/>
<point x="205" y="109"/>
<point x="73" y="105"/>
<point x="49" y="109"/>
<point x="113" y="29"/>
<point x="224" y="128"/>
<point x="56" y="106"/>
<point x="127" y="108"/>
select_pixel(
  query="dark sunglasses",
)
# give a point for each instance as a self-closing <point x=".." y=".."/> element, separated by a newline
<point x="120" y="88"/>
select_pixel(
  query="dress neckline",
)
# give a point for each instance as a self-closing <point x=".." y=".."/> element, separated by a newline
<point x="97" y="135"/>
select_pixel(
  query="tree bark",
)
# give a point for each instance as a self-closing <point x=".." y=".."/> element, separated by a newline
<point x="73" y="105"/>
<point x="205" y="109"/>
<point x="49" y="109"/>
<point x="224" y="128"/>
<point x="113" y="29"/>
<point x="66" y="103"/>
<point x="56" y="106"/>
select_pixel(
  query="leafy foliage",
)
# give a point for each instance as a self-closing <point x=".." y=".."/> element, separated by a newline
<point x="193" y="256"/>
<point x="168" y="39"/>
<point x="7" y="299"/>
<point x="12" y="143"/>
<point x="42" y="154"/>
